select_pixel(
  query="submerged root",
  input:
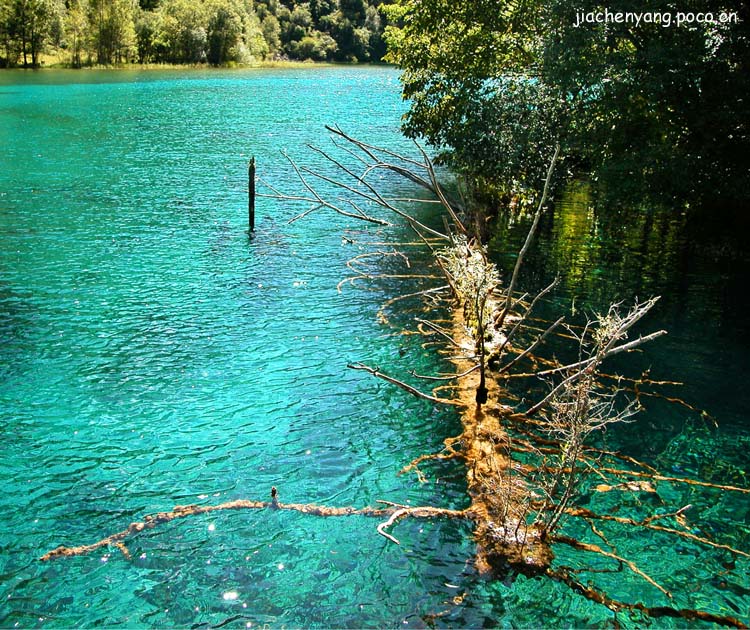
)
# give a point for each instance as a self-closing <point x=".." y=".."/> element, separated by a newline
<point x="648" y="524"/>
<point x="181" y="511"/>
<point x="577" y="544"/>
<point x="412" y="390"/>
<point x="562" y="575"/>
<point x="685" y="480"/>
<point x="450" y="453"/>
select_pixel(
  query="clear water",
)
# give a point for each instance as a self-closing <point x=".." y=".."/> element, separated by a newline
<point x="152" y="354"/>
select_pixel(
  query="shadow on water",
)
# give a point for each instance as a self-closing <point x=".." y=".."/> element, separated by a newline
<point x="697" y="262"/>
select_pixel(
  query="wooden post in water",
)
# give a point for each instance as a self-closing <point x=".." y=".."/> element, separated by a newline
<point x="251" y="194"/>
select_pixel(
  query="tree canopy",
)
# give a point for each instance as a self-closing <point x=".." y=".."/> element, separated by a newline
<point x="183" y="31"/>
<point x="640" y="96"/>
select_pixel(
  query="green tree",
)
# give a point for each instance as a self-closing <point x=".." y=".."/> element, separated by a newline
<point x="316" y="46"/>
<point x="322" y="8"/>
<point x="266" y="7"/>
<point x="342" y="30"/>
<point x="658" y="106"/>
<point x="298" y="24"/>
<point x="224" y="32"/>
<point x="254" y="45"/>
<point x="27" y="26"/>
<point x="349" y="30"/>
<point x="458" y="82"/>
<point x="640" y="108"/>
<point x="113" y="30"/>
<point x="147" y="30"/>
<point x="354" y="10"/>
<point x="271" y="30"/>
<point x="5" y="39"/>
<point x="183" y="34"/>
<point x="234" y="33"/>
<point x="374" y="24"/>
<point x="8" y="34"/>
<point x="76" y="29"/>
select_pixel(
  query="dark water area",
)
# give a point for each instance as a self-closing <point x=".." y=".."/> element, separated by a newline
<point x="698" y="263"/>
<point x="151" y="354"/>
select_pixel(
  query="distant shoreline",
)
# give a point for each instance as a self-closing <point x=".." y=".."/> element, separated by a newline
<point x="261" y="65"/>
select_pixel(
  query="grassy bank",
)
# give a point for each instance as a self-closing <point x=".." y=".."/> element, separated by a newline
<point x="59" y="61"/>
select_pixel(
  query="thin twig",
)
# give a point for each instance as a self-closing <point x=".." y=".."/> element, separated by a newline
<point x="540" y="339"/>
<point x="437" y="329"/>
<point x="447" y="377"/>
<point x="415" y="392"/>
<point x="655" y="611"/>
<point x="648" y="524"/>
<point x="529" y="237"/>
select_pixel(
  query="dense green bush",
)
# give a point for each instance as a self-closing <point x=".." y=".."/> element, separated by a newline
<point x="650" y="108"/>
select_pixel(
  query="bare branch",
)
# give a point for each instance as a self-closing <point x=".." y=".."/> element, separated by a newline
<point x="577" y="544"/>
<point x="367" y="276"/>
<point x="439" y="192"/>
<point x="529" y="237"/>
<point x="447" y="377"/>
<point x="181" y="511"/>
<point x="648" y="524"/>
<point x="427" y="292"/>
<point x="532" y="347"/>
<point x="419" y="512"/>
<point x="370" y="150"/>
<point x="613" y="328"/>
<point x="691" y="482"/>
<point x="403" y="172"/>
<point x="374" y="196"/>
<point x="415" y="392"/>
<point x="435" y="328"/>
<point x="523" y="319"/>
<point x="317" y="200"/>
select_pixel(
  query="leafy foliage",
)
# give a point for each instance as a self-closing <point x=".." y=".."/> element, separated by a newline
<point x="182" y="31"/>
<point x="646" y="107"/>
<point x="26" y="27"/>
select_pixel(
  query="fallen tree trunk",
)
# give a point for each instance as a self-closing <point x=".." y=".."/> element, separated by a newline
<point x="500" y="497"/>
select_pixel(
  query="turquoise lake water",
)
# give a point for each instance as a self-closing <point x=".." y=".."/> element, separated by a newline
<point x="152" y="354"/>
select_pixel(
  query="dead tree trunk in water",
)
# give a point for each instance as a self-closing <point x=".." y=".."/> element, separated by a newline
<point x="516" y="506"/>
<point x="251" y="195"/>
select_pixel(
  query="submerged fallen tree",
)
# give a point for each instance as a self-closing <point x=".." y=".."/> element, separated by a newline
<point x="525" y="464"/>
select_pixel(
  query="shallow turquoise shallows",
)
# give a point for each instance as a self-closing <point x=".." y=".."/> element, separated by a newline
<point x="152" y="353"/>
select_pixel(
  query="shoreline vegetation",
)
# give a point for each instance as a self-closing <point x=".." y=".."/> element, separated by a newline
<point x="650" y="114"/>
<point x="214" y="32"/>
<point x="257" y="65"/>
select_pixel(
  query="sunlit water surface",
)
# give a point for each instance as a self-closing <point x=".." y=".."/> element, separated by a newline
<point x="152" y="354"/>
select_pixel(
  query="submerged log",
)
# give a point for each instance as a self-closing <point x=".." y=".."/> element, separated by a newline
<point x="500" y="497"/>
